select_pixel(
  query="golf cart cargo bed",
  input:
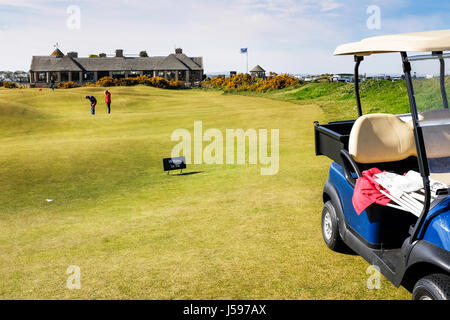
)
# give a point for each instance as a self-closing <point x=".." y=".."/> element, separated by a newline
<point x="331" y="138"/>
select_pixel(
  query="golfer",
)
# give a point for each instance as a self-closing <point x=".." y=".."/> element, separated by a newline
<point x="52" y="83"/>
<point x="93" y="103"/>
<point x="108" y="100"/>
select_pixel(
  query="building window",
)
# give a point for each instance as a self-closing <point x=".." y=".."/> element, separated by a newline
<point x="160" y="74"/>
<point x="134" y="74"/>
<point x="102" y="74"/>
<point x="118" y="74"/>
<point x="42" y="76"/>
<point x="148" y="73"/>
<point x="182" y="75"/>
<point x="75" y="76"/>
<point x="64" y="76"/>
<point x="53" y="76"/>
<point x="171" y="75"/>
<point x="88" y="76"/>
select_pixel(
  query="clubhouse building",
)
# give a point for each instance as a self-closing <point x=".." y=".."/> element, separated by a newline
<point x="60" y="67"/>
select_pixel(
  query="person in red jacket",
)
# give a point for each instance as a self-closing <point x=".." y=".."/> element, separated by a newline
<point x="108" y="100"/>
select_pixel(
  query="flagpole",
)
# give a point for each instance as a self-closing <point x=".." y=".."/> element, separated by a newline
<point x="245" y="50"/>
<point x="247" y="60"/>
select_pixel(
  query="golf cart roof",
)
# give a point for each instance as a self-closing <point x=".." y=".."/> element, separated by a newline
<point x="413" y="42"/>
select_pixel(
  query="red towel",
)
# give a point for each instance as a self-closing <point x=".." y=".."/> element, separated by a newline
<point x="367" y="191"/>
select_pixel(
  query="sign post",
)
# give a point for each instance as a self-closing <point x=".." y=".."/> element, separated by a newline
<point x="171" y="164"/>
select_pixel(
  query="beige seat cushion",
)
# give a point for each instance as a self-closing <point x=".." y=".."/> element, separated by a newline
<point x="441" y="177"/>
<point x="379" y="138"/>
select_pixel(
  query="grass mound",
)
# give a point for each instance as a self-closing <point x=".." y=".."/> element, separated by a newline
<point x="337" y="100"/>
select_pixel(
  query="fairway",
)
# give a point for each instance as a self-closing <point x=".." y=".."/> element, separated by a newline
<point x="226" y="232"/>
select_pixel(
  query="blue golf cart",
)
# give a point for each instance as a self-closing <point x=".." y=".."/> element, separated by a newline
<point x="410" y="245"/>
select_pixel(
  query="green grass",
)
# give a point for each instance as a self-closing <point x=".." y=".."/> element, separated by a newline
<point x="136" y="233"/>
<point x="337" y="100"/>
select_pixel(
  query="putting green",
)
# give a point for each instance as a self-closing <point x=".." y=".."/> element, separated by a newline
<point x="136" y="233"/>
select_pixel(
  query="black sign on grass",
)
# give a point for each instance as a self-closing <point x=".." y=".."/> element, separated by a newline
<point x="171" y="164"/>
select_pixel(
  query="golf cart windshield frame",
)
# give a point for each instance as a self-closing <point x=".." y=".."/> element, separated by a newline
<point x="436" y="55"/>
<point x="418" y="134"/>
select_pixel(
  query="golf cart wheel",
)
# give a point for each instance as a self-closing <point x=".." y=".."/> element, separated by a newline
<point x="433" y="287"/>
<point x="330" y="228"/>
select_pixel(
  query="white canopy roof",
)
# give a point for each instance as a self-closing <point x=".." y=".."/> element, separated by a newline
<point x="413" y="42"/>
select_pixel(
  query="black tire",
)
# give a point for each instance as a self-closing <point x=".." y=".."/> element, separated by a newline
<point x="432" y="287"/>
<point x="330" y="229"/>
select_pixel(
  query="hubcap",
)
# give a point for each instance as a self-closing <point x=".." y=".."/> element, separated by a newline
<point x="425" y="297"/>
<point x="327" y="226"/>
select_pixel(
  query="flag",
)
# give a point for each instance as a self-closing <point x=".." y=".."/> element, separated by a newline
<point x="244" y="50"/>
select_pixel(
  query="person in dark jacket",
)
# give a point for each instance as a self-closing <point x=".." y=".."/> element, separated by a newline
<point x="93" y="103"/>
<point x="52" y="83"/>
<point x="108" y="100"/>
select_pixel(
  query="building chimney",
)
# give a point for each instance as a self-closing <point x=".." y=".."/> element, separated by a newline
<point x="178" y="51"/>
<point x="102" y="55"/>
<point x="72" y="54"/>
<point x="119" y="53"/>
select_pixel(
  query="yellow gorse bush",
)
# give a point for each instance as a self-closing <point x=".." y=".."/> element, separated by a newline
<point x="157" y="82"/>
<point x="10" y="85"/>
<point x="245" y="82"/>
<point x="68" y="85"/>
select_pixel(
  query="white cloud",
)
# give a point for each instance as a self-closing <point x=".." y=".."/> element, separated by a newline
<point x="329" y="5"/>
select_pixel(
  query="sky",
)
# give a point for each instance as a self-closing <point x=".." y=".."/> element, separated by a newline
<point x="283" y="36"/>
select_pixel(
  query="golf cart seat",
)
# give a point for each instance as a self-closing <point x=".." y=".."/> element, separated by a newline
<point x="381" y="138"/>
<point x="441" y="177"/>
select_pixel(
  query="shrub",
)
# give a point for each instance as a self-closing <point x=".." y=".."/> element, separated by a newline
<point x="175" y="84"/>
<point x="143" y="54"/>
<point x="240" y="81"/>
<point x="128" y="82"/>
<point x="216" y="82"/>
<point x="156" y="82"/>
<point x="278" y="82"/>
<point x="106" y="82"/>
<point x="144" y="80"/>
<point x="244" y="82"/>
<point x="159" y="82"/>
<point x="68" y="85"/>
<point x="10" y="85"/>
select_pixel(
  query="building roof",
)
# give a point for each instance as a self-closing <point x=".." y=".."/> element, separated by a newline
<point x="257" y="69"/>
<point x="412" y="42"/>
<point x="65" y="64"/>
<point x="57" y="53"/>
<point x="191" y="63"/>
<point x="171" y="62"/>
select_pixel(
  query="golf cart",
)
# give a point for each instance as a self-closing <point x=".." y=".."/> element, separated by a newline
<point x="407" y="234"/>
